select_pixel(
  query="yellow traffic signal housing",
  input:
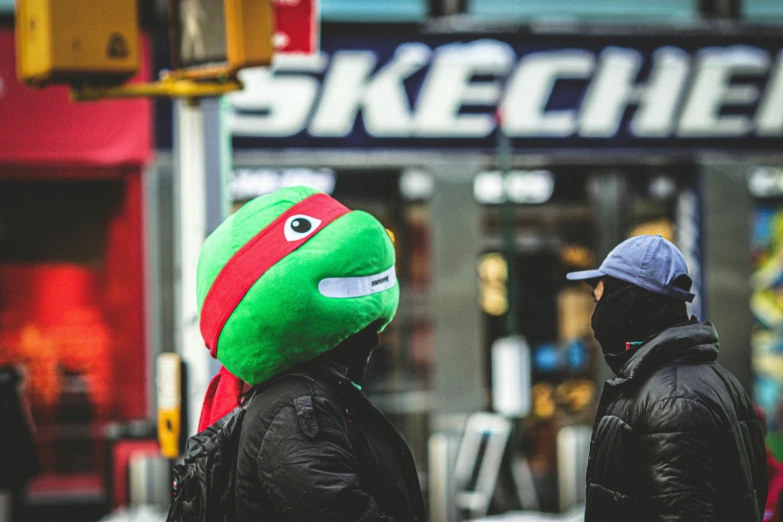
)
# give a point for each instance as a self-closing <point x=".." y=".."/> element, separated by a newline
<point x="93" y="45"/>
<point x="77" y="41"/>
<point x="216" y="38"/>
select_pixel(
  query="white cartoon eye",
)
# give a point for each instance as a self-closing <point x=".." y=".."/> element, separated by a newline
<point x="300" y="226"/>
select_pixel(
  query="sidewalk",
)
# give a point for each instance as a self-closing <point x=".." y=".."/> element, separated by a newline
<point x="142" y="514"/>
<point x="577" y="515"/>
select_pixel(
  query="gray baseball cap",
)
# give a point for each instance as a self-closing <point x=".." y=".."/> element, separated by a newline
<point x="650" y="262"/>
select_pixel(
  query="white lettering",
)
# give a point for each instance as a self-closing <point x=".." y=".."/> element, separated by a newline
<point x="349" y="87"/>
<point x="449" y="86"/>
<point x="273" y="104"/>
<point x="769" y="119"/>
<point x="712" y="90"/>
<point x="614" y="88"/>
<point x="341" y="97"/>
<point x="289" y="98"/>
<point x="530" y="87"/>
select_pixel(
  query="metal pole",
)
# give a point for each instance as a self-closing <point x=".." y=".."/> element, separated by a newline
<point x="152" y="258"/>
<point x="609" y="199"/>
<point x="202" y="156"/>
<point x="721" y="9"/>
<point x="728" y="208"/>
<point x="190" y="226"/>
<point x="507" y="232"/>
<point x="460" y="387"/>
<point x="446" y="7"/>
<point x="217" y="163"/>
<point x="443" y="447"/>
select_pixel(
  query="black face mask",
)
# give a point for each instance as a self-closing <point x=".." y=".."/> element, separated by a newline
<point x="627" y="313"/>
<point x="613" y="326"/>
<point x="354" y="353"/>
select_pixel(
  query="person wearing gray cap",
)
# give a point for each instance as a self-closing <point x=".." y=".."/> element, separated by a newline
<point x="675" y="437"/>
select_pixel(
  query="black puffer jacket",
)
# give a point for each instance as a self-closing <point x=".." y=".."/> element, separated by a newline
<point x="313" y="448"/>
<point x="676" y="437"/>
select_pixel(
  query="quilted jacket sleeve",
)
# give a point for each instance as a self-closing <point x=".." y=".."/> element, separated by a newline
<point x="306" y="466"/>
<point x="677" y="460"/>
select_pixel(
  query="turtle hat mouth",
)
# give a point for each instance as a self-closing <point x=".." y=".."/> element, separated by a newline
<point x="360" y="286"/>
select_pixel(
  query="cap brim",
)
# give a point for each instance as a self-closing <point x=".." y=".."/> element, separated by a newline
<point x="585" y="275"/>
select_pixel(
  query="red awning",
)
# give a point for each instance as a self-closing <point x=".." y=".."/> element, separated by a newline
<point x="43" y="127"/>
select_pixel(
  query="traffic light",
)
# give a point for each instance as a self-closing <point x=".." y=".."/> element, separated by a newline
<point x="76" y="41"/>
<point x="93" y="45"/>
<point x="216" y="38"/>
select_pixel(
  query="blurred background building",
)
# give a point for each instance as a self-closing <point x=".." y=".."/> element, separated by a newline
<point x="619" y="118"/>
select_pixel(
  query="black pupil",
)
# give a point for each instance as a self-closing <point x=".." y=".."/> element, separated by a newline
<point x="301" y="225"/>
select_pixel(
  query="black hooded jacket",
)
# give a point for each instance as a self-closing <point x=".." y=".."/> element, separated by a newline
<point x="676" y="437"/>
<point x="313" y="448"/>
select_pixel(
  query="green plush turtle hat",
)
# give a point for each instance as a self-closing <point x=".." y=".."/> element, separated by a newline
<point x="288" y="277"/>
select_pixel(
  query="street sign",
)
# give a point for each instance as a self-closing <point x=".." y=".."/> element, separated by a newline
<point x="297" y="30"/>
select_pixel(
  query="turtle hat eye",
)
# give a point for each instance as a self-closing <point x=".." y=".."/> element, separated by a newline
<point x="300" y="226"/>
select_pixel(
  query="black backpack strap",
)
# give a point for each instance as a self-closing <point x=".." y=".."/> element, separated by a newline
<point x="344" y="389"/>
<point x="340" y="386"/>
<point x="353" y="435"/>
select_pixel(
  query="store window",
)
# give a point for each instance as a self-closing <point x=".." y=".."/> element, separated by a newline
<point x="71" y="318"/>
<point x="373" y="10"/>
<point x="606" y="11"/>
<point x="556" y="226"/>
<point x="765" y="184"/>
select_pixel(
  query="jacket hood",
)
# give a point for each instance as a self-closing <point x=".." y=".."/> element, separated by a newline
<point x="690" y="342"/>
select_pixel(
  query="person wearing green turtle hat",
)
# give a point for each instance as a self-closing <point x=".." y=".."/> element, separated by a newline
<point x="293" y="290"/>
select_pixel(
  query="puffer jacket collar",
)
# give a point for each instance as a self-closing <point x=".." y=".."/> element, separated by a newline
<point x="690" y="342"/>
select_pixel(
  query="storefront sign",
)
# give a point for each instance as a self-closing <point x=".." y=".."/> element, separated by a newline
<point x="43" y="127"/>
<point x="441" y="92"/>
<point x="765" y="181"/>
<point x="297" y="26"/>
<point x="247" y="183"/>
<point x="518" y="186"/>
